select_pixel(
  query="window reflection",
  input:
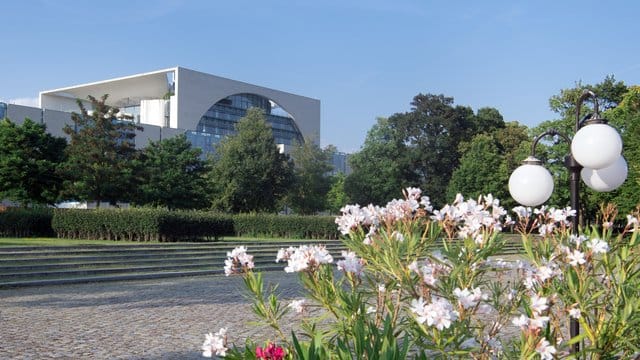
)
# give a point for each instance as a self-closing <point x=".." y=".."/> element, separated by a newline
<point x="221" y="118"/>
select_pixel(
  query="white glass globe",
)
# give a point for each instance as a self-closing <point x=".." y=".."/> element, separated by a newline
<point x="606" y="179"/>
<point x="531" y="185"/>
<point x="596" y="146"/>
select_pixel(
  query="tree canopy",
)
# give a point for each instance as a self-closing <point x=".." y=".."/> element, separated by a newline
<point x="249" y="174"/>
<point x="29" y="162"/>
<point x="419" y="148"/>
<point x="99" y="165"/>
<point x="172" y="175"/>
<point x="311" y="178"/>
<point x="377" y="169"/>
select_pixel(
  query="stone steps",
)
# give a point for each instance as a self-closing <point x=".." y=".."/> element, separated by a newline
<point x="36" y="266"/>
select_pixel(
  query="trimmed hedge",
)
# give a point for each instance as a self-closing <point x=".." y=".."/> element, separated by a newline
<point x="140" y="224"/>
<point x="26" y="222"/>
<point x="146" y="224"/>
<point x="285" y="226"/>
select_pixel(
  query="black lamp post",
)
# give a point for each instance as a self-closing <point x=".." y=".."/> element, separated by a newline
<point x="595" y="157"/>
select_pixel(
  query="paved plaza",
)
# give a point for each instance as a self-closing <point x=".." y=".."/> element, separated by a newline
<point x="151" y="319"/>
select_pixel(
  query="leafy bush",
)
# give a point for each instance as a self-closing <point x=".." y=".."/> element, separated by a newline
<point x="392" y="296"/>
<point x="26" y="222"/>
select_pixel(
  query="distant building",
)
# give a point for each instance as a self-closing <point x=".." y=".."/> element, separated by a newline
<point x="340" y="162"/>
<point x="176" y="101"/>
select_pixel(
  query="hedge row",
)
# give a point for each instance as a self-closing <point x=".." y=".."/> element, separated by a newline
<point x="165" y="225"/>
<point x="289" y="226"/>
<point x="26" y="222"/>
<point x="159" y="225"/>
<point x="140" y="224"/>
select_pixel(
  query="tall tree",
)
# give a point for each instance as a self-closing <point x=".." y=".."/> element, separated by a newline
<point x="99" y="164"/>
<point x="173" y="175"/>
<point x="29" y="159"/>
<point x="337" y="196"/>
<point x="488" y="161"/>
<point x="616" y="102"/>
<point x="626" y="118"/>
<point x="311" y="178"/>
<point x="248" y="172"/>
<point x="480" y="171"/>
<point x="610" y="92"/>
<point x="379" y="168"/>
<point x="433" y="132"/>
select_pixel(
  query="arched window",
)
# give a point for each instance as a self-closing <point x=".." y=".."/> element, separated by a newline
<point x="221" y="118"/>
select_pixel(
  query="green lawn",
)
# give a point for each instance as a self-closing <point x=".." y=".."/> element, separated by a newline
<point x="57" y="242"/>
<point x="68" y="242"/>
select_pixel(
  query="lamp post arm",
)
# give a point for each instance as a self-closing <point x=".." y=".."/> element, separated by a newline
<point x="585" y="95"/>
<point x="550" y="132"/>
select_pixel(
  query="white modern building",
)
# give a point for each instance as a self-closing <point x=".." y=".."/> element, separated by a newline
<point x="181" y="101"/>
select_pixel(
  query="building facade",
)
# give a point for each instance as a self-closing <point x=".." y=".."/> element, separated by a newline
<point x="176" y="101"/>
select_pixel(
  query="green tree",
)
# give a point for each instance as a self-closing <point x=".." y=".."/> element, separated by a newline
<point x="337" y="196"/>
<point x="480" y="171"/>
<point x="434" y="131"/>
<point x="311" y="178"/>
<point x="248" y="172"/>
<point x="99" y="165"/>
<point x="29" y="159"/>
<point x="488" y="161"/>
<point x="173" y="175"/>
<point x="378" y="169"/>
<point x="626" y="118"/>
<point x="611" y="94"/>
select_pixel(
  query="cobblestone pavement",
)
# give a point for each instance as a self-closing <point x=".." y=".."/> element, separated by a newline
<point x="150" y="319"/>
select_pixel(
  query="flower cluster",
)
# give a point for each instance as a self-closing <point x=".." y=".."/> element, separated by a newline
<point x="270" y="352"/>
<point x="469" y="299"/>
<point x="532" y="327"/>
<point x="431" y="268"/>
<point x="472" y="218"/>
<point x="351" y="263"/>
<point x="297" y="305"/>
<point x="547" y="220"/>
<point x="215" y="344"/>
<point x="238" y="261"/>
<point x="439" y="313"/>
<point x="537" y="276"/>
<point x="371" y="217"/>
<point x="304" y="257"/>
<point x="455" y="300"/>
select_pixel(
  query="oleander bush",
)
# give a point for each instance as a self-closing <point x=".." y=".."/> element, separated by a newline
<point x="26" y="222"/>
<point x="394" y="295"/>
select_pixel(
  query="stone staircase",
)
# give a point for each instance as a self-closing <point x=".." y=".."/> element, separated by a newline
<point x="36" y="266"/>
<point x="40" y="265"/>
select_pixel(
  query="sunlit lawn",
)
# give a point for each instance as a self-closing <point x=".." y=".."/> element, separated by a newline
<point x="69" y="242"/>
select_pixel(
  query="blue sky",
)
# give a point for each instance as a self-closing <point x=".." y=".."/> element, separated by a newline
<point x="362" y="59"/>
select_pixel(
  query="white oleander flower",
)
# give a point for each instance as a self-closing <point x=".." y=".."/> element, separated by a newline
<point x="351" y="263"/>
<point x="439" y="313"/>
<point x="538" y="304"/>
<point x="576" y="257"/>
<point x="469" y="299"/>
<point x="575" y="313"/>
<point x="598" y="246"/>
<point x="215" y="344"/>
<point x="297" y="305"/>
<point x="545" y="349"/>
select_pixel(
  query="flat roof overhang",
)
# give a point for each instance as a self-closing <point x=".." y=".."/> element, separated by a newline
<point x="123" y="91"/>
